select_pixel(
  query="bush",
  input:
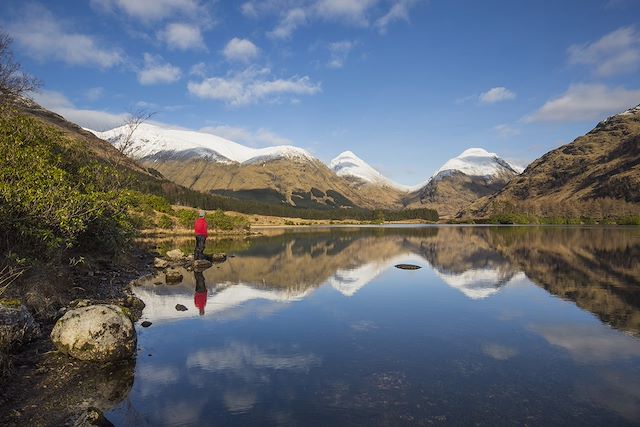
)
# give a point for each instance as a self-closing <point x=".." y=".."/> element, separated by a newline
<point x="186" y="217"/>
<point x="165" y="222"/>
<point x="53" y="194"/>
<point x="630" y="220"/>
<point x="216" y="220"/>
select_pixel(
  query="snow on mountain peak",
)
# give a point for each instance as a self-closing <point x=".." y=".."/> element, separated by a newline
<point x="476" y="162"/>
<point x="347" y="164"/>
<point x="158" y="141"/>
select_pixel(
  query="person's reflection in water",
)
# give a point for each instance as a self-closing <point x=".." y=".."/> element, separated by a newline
<point x="200" y="296"/>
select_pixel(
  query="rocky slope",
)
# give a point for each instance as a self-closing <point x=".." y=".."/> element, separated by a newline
<point x="461" y="181"/>
<point x="603" y="164"/>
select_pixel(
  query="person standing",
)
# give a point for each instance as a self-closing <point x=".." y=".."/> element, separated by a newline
<point x="200" y="229"/>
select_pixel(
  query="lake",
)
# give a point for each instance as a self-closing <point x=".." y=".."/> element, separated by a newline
<point x="500" y="326"/>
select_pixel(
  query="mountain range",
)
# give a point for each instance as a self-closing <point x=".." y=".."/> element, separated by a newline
<point x="291" y="175"/>
<point x="596" y="175"/>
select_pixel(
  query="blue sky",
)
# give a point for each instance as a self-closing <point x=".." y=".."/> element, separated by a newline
<point x="405" y="84"/>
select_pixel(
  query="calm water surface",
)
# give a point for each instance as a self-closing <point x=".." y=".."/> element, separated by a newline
<point x="501" y="326"/>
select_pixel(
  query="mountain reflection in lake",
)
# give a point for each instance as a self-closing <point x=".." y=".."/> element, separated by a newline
<point x="503" y="325"/>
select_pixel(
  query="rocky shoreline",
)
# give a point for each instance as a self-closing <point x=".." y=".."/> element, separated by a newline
<point x="42" y="385"/>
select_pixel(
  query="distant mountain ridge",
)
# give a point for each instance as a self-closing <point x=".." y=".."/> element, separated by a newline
<point x="291" y="175"/>
<point x="157" y="142"/>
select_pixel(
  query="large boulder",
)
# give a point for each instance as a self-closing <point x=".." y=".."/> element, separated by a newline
<point x="17" y="325"/>
<point x="98" y="333"/>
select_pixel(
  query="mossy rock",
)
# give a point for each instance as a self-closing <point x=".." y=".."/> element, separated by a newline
<point x="98" y="333"/>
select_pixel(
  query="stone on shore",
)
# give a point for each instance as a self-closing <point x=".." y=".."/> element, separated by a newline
<point x="17" y="325"/>
<point x="97" y="333"/>
<point x="173" y="276"/>
<point x="175" y="254"/>
<point x="160" y="263"/>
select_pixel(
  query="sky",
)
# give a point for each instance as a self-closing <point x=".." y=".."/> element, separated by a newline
<point x="404" y="84"/>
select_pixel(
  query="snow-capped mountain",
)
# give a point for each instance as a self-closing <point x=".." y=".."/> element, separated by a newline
<point x="157" y="142"/>
<point x="348" y="165"/>
<point x="291" y="175"/>
<point x="462" y="180"/>
<point x="477" y="162"/>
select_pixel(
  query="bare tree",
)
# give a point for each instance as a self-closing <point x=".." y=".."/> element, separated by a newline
<point x="13" y="81"/>
<point x="126" y="143"/>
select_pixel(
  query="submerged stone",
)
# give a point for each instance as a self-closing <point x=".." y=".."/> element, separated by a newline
<point x="201" y="264"/>
<point x="97" y="333"/>
<point x="408" y="267"/>
<point x="146" y="324"/>
<point x="221" y="257"/>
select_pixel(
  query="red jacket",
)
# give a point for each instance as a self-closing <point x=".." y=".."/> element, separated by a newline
<point x="200" y="227"/>
<point x="200" y="301"/>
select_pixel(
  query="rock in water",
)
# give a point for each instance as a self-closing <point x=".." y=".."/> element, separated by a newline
<point x="219" y="257"/>
<point x="175" y="254"/>
<point x="181" y="307"/>
<point x="201" y="264"/>
<point x="98" y="333"/>
<point x="160" y="263"/>
<point x="90" y="417"/>
<point x="146" y="324"/>
<point x="173" y="277"/>
<point x="17" y="325"/>
<point x="408" y="267"/>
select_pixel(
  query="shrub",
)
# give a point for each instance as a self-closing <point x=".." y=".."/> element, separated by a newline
<point x="53" y="194"/>
<point x="165" y="222"/>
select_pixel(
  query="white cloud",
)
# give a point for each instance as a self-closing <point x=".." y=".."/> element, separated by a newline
<point x="150" y="10"/>
<point x="583" y="102"/>
<point x="339" y="53"/>
<point x="92" y="119"/>
<point x="41" y="35"/>
<point x="615" y="53"/>
<point x="181" y="36"/>
<point x="590" y="344"/>
<point x="399" y="11"/>
<point x="94" y="93"/>
<point x="251" y="86"/>
<point x="249" y="10"/>
<point x="353" y="11"/>
<point x="499" y="352"/>
<point x="295" y="13"/>
<point x="496" y="94"/>
<point x="260" y="138"/>
<point x="293" y="19"/>
<point x="506" y="131"/>
<point x="241" y="50"/>
<point x="241" y="359"/>
<point x="198" y="69"/>
<point x="156" y="71"/>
